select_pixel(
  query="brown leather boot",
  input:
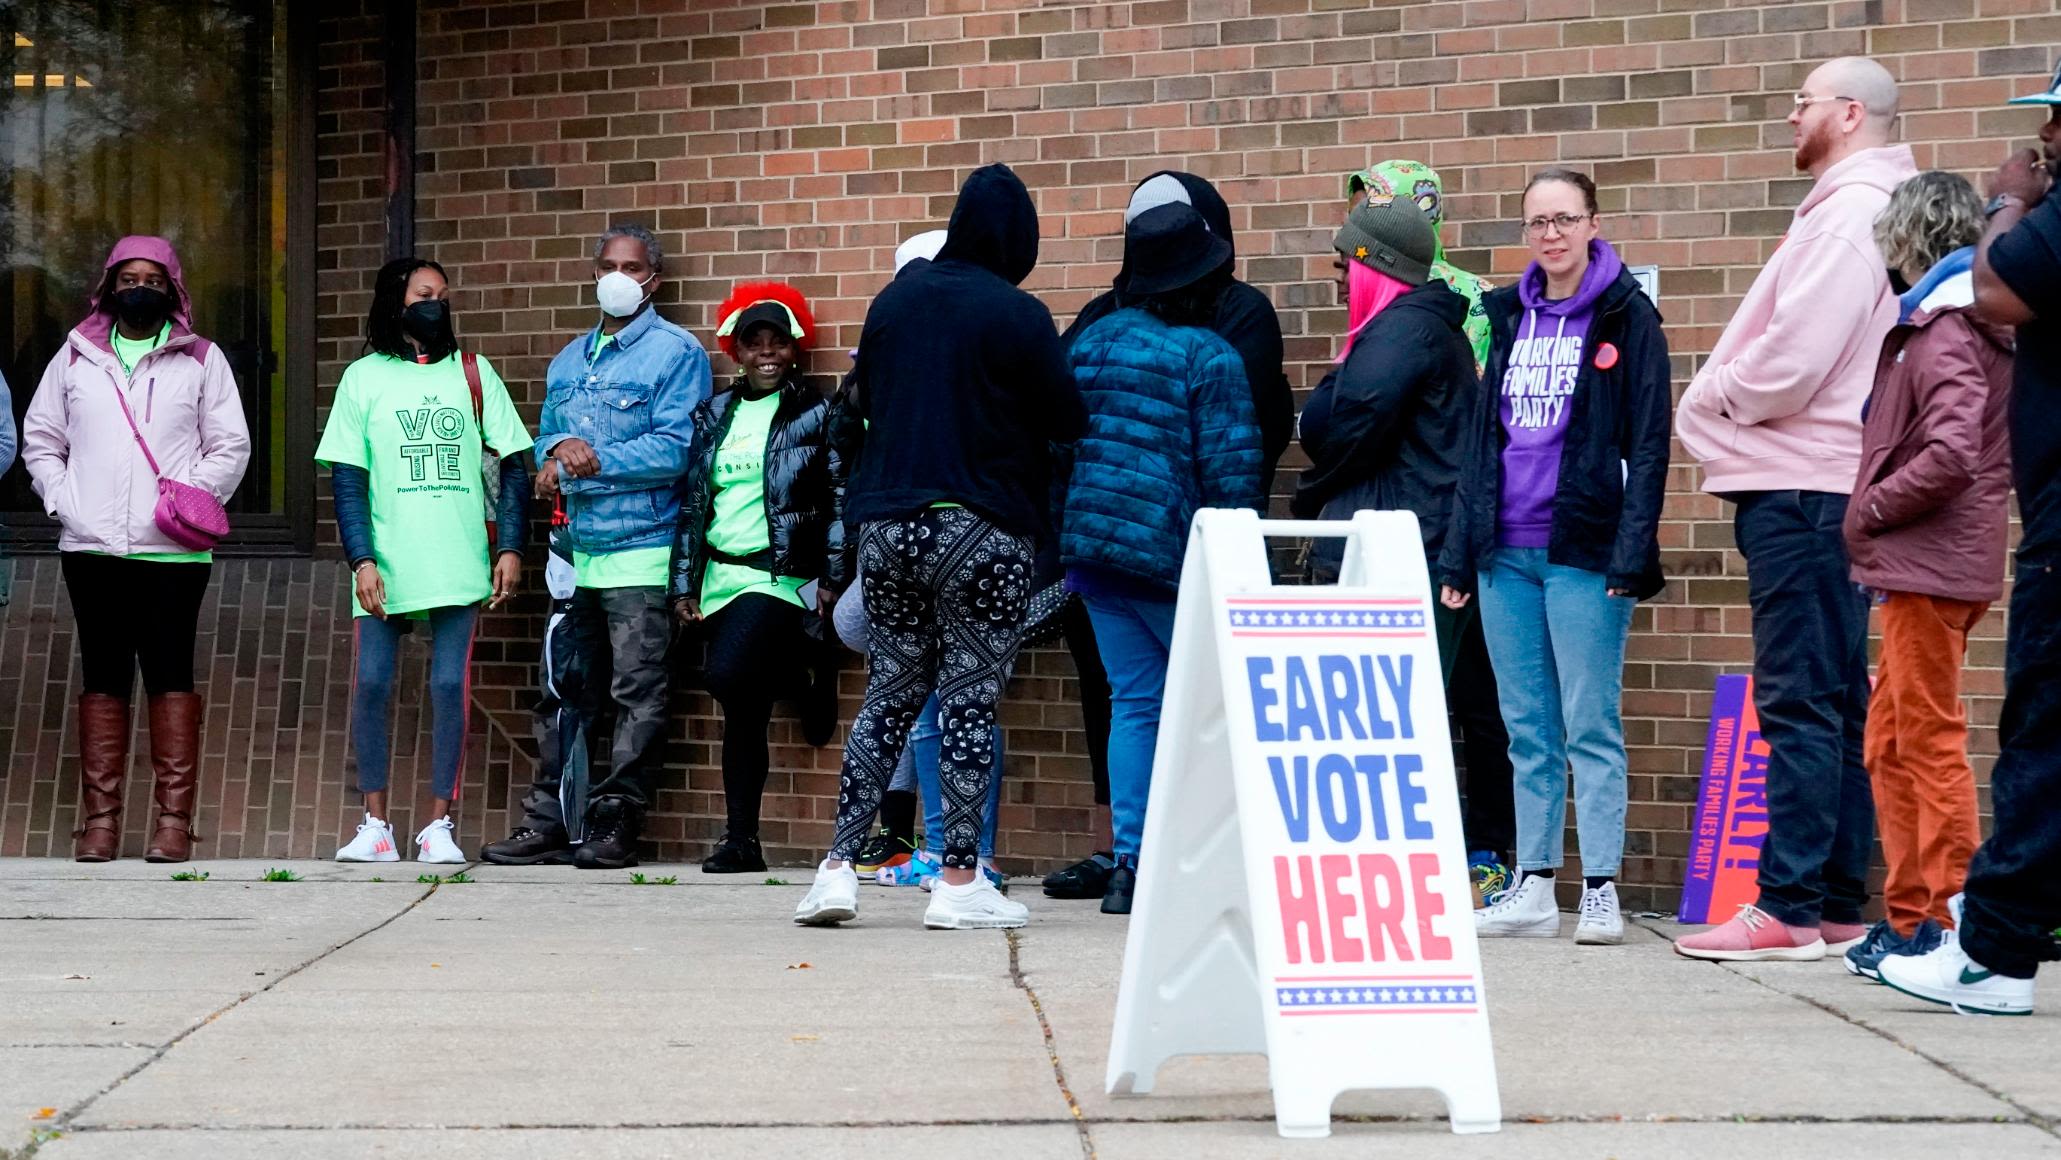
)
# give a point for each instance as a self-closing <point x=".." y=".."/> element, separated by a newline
<point x="175" y="758"/>
<point x="103" y="765"/>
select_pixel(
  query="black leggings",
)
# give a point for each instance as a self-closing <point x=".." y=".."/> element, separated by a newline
<point x="131" y="613"/>
<point x="757" y="652"/>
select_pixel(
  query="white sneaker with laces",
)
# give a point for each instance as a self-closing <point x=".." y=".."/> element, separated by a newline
<point x="1530" y="911"/>
<point x="1601" y="924"/>
<point x="374" y="843"/>
<point x="832" y="898"/>
<point x="434" y="844"/>
<point x="974" y="906"/>
<point x="1948" y="976"/>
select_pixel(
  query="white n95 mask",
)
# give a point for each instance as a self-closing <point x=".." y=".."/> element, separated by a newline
<point x="619" y="294"/>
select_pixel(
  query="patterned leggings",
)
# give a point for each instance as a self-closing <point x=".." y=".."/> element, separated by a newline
<point x="946" y="593"/>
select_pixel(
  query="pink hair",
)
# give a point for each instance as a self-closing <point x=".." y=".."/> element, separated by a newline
<point x="1368" y="292"/>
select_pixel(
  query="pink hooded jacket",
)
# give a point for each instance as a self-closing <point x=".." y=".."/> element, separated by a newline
<point x="1778" y="403"/>
<point x="78" y="449"/>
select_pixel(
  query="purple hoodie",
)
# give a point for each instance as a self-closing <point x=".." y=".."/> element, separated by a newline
<point x="1538" y="381"/>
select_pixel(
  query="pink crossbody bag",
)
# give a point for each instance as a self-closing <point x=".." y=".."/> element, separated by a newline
<point x="189" y="516"/>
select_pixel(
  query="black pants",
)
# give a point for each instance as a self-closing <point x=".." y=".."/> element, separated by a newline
<point x="624" y="634"/>
<point x="946" y="593"/>
<point x="2012" y="906"/>
<point x="1087" y="662"/>
<point x="757" y="653"/>
<point x="131" y="614"/>
<point x="1810" y="684"/>
<point x="1489" y="820"/>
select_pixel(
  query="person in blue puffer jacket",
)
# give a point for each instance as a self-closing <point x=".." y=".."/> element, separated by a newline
<point x="1171" y="430"/>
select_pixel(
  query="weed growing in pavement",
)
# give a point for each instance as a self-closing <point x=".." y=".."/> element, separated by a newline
<point x="190" y="876"/>
<point x="778" y="882"/>
<point x="458" y="879"/>
<point x="641" y="880"/>
<point x="37" y="1138"/>
<point x="375" y="880"/>
<point x="271" y="875"/>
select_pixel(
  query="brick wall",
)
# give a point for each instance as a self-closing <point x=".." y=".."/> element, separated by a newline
<point x="803" y="141"/>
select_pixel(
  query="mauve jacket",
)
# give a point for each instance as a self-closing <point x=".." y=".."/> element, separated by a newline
<point x="1931" y="505"/>
<point x="78" y="448"/>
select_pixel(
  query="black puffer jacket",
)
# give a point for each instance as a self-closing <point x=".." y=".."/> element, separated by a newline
<point x="1386" y="430"/>
<point x="1613" y="464"/>
<point x="804" y="484"/>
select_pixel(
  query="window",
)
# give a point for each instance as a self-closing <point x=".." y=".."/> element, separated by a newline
<point x="177" y="118"/>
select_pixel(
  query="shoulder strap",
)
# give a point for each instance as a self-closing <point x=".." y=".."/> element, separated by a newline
<point x="470" y="362"/>
<point x="134" y="429"/>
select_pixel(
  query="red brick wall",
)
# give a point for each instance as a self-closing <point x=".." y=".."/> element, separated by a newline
<point x="803" y="141"/>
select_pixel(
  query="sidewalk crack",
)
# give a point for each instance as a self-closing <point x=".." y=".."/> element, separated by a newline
<point x="1080" y="1119"/>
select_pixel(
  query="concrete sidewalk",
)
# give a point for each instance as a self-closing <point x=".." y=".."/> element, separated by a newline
<point x="548" y="1012"/>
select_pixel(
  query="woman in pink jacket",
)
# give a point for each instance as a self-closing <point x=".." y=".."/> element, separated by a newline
<point x="132" y="374"/>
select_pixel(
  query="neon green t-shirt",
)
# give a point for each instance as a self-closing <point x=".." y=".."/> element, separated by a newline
<point x="737" y="519"/>
<point x="130" y="351"/>
<point x="411" y="428"/>
<point x="629" y="568"/>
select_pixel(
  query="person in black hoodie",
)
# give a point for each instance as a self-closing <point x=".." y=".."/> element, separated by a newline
<point x="1244" y="317"/>
<point x="1386" y="430"/>
<point x="964" y="386"/>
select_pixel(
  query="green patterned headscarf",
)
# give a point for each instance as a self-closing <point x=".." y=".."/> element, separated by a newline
<point x="1419" y="182"/>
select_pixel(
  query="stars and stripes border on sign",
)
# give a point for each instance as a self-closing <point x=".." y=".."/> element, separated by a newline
<point x="1378" y="995"/>
<point x="1390" y="617"/>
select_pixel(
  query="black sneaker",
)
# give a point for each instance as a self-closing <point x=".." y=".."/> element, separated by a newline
<point x="1087" y="878"/>
<point x="611" y="837"/>
<point x="528" y="847"/>
<point x="879" y="852"/>
<point x="1123" y="882"/>
<point x="1865" y="960"/>
<point x="818" y="702"/>
<point x="735" y="856"/>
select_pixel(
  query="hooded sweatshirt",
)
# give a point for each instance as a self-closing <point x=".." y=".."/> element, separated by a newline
<point x="1421" y="183"/>
<point x="960" y="376"/>
<point x="1538" y="381"/>
<point x="79" y="449"/>
<point x="1778" y="403"/>
<point x="1244" y="318"/>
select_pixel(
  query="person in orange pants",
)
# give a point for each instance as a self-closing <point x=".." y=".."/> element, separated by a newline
<point x="1926" y="534"/>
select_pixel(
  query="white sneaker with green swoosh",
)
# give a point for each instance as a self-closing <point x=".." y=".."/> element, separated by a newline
<point x="1947" y="975"/>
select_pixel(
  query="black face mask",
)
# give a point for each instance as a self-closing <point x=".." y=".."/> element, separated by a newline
<point x="429" y="323"/>
<point x="143" y="308"/>
<point x="1897" y="283"/>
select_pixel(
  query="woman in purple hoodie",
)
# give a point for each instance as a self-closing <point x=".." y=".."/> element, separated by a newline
<point x="1556" y="519"/>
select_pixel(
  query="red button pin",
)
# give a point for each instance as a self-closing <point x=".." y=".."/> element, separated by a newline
<point x="1606" y="357"/>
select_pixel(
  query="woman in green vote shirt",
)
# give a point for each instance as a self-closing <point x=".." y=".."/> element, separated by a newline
<point x="758" y="525"/>
<point x="404" y="444"/>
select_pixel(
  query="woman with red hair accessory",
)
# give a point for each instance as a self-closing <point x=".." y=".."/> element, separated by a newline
<point x="759" y="530"/>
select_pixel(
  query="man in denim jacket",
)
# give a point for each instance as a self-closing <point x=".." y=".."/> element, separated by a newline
<point x="615" y="438"/>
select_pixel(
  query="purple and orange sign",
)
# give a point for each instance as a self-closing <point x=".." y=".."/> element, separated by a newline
<point x="1731" y="809"/>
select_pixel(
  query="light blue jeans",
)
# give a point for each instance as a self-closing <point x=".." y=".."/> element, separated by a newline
<point x="1557" y="637"/>
<point x="1136" y="639"/>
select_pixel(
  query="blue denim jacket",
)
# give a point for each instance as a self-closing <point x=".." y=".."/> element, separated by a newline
<point x="634" y="405"/>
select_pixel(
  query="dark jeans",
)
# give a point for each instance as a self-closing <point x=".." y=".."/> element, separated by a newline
<point x="757" y="652"/>
<point x="1489" y="821"/>
<point x="1087" y="661"/>
<point x="625" y="633"/>
<point x="134" y="614"/>
<point x="1810" y="684"/>
<point x="2012" y="904"/>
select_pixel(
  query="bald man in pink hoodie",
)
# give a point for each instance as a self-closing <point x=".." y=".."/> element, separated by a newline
<point x="1775" y="419"/>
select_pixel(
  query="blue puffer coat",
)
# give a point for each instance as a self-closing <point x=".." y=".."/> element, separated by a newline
<point x="1171" y="429"/>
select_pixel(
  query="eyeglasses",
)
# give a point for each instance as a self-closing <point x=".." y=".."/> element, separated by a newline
<point x="1803" y="102"/>
<point x="1560" y="222"/>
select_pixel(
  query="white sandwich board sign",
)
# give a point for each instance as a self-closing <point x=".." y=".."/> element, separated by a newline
<point x="1303" y="891"/>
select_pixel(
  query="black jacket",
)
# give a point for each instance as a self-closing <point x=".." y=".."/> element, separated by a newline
<point x="804" y="482"/>
<point x="1386" y="429"/>
<point x="1613" y="466"/>
<point x="961" y="376"/>
<point x="1244" y="318"/>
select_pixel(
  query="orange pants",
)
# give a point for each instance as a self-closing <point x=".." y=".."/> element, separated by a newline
<point x="1917" y="755"/>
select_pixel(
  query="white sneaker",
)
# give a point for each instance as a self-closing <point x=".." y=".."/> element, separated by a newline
<point x="1601" y="924"/>
<point x="373" y="843"/>
<point x="974" y="906"/>
<point x="1948" y="976"/>
<point x="1530" y="911"/>
<point x="833" y="898"/>
<point x="434" y="844"/>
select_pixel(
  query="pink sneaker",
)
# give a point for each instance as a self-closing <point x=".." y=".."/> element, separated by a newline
<point x="1841" y="937"/>
<point x="1754" y="936"/>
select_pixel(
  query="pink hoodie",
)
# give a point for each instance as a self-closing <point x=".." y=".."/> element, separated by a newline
<point x="78" y="448"/>
<point x="1778" y="403"/>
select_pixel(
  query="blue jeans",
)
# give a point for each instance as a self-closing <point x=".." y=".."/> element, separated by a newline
<point x="372" y="694"/>
<point x="1136" y="639"/>
<point x="924" y="739"/>
<point x="1556" y="637"/>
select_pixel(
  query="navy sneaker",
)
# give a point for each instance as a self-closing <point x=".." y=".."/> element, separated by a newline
<point x="1865" y="960"/>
